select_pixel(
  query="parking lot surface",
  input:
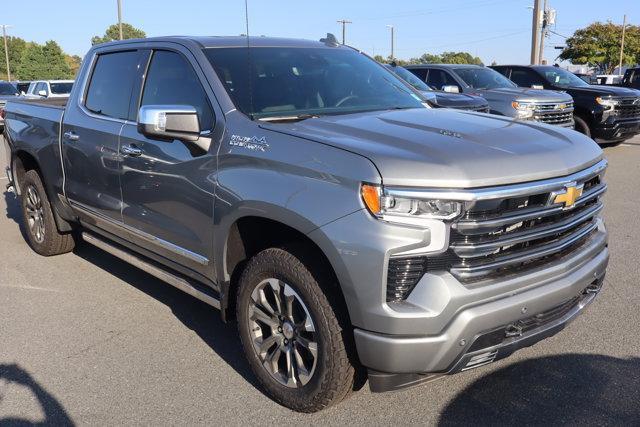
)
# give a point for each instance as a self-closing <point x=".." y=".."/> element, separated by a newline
<point x="87" y="339"/>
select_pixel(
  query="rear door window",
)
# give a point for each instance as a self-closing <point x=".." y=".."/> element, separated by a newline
<point x="111" y="85"/>
<point x="526" y="78"/>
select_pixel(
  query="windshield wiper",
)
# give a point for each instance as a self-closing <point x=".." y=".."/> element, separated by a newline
<point x="292" y="118"/>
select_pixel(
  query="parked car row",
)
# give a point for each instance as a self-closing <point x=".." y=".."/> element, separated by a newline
<point x="309" y="193"/>
<point x="546" y="94"/>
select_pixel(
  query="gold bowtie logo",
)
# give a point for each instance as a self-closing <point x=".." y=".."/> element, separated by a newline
<point x="569" y="196"/>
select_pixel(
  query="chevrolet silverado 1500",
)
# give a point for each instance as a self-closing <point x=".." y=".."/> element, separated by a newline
<point x="311" y="196"/>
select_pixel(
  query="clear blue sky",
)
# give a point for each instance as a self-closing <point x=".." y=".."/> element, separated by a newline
<point x="497" y="30"/>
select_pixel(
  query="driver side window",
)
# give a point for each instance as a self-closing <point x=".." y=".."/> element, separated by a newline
<point x="438" y="79"/>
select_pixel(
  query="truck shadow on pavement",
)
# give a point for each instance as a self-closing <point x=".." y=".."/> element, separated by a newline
<point x="54" y="413"/>
<point x="576" y="389"/>
<point x="199" y="317"/>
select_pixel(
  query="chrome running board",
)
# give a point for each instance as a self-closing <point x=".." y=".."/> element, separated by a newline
<point x="153" y="270"/>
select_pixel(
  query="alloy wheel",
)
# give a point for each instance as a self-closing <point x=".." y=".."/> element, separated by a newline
<point x="283" y="333"/>
<point x="35" y="214"/>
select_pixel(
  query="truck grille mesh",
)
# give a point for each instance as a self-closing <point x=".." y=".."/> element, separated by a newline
<point x="508" y="235"/>
<point x="402" y="276"/>
<point x="553" y="115"/>
<point x="628" y="108"/>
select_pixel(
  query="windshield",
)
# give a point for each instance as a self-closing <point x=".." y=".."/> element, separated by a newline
<point x="409" y="77"/>
<point x="8" y="89"/>
<point x="483" y="78"/>
<point x="61" y="88"/>
<point x="286" y="82"/>
<point x="559" y="77"/>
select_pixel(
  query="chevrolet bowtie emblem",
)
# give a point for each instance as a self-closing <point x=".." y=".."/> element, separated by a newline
<point x="568" y="196"/>
<point x="562" y="106"/>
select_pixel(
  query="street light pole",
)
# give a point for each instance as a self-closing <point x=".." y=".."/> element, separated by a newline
<point x="534" y="32"/>
<point x="6" y="50"/>
<point x="120" y="18"/>
<point x="543" y="33"/>
<point x="392" y="41"/>
<point x="344" y="23"/>
<point x="624" y="24"/>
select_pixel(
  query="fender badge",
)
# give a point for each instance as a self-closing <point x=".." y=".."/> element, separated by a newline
<point x="250" y="143"/>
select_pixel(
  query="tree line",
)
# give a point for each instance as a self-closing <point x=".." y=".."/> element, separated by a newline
<point x="428" y="58"/>
<point x="34" y="61"/>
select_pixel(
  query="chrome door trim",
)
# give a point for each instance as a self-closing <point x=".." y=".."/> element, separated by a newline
<point x="178" y="250"/>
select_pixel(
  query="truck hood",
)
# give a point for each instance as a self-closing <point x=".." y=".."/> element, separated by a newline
<point x="602" y="90"/>
<point x="449" y="148"/>
<point x="526" y="94"/>
<point x="460" y="100"/>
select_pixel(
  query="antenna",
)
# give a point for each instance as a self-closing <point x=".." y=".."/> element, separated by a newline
<point x="246" y="21"/>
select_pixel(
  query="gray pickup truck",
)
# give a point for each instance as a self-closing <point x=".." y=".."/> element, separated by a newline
<point x="505" y="97"/>
<point x="307" y="193"/>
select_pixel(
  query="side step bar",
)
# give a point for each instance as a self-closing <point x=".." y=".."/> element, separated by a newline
<point x="155" y="271"/>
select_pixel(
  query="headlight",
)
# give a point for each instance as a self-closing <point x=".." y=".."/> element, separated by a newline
<point x="406" y="210"/>
<point x="524" y="110"/>
<point x="607" y="102"/>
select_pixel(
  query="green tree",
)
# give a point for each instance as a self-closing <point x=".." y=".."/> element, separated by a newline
<point x="113" y="33"/>
<point x="598" y="45"/>
<point x="73" y="61"/>
<point x="46" y="62"/>
<point x="460" y="58"/>
<point x="16" y="47"/>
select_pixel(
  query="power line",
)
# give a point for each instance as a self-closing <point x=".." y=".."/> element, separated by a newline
<point x="344" y="23"/>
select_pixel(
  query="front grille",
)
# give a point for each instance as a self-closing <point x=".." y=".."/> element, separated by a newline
<point x="498" y="236"/>
<point x="402" y="276"/>
<point x="554" y="113"/>
<point x="477" y="109"/>
<point x="628" y="108"/>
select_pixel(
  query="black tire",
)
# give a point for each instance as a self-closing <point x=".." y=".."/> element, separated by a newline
<point x="39" y="225"/>
<point x="333" y="375"/>
<point x="582" y="126"/>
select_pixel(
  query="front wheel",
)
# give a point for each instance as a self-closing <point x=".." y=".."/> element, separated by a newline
<point x="291" y="333"/>
<point x="582" y="126"/>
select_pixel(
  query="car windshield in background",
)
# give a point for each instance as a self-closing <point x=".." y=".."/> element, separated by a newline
<point x="61" y="88"/>
<point x="559" y="77"/>
<point x="409" y="77"/>
<point x="8" y="89"/>
<point x="294" y="82"/>
<point x="483" y="78"/>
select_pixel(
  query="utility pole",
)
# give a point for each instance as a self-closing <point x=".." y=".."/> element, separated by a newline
<point x="624" y="24"/>
<point x="535" y="26"/>
<point x="6" y="50"/>
<point x="392" y="41"/>
<point x="120" y="18"/>
<point x="344" y="23"/>
<point x="543" y="33"/>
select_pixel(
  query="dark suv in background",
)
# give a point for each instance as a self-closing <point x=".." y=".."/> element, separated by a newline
<point x="605" y="113"/>
<point x="459" y="101"/>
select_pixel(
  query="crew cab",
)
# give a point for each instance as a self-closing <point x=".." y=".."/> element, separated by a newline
<point x="458" y="101"/>
<point x="608" y="114"/>
<point x="504" y="97"/>
<point x="310" y="195"/>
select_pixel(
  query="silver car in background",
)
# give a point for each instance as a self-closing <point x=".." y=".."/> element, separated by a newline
<point x="505" y="98"/>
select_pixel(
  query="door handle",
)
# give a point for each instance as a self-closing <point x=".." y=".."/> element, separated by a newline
<point x="131" y="150"/>
<point x="71" y="136"/>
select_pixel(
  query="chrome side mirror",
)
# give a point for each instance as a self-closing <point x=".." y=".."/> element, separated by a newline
<point x="42" y="93"/>
<point x="537" y="87"/>
<point x="169" y="122"/>
<point x="451" y="89"/>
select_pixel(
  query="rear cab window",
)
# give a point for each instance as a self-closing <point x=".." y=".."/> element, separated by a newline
<point x="111" y="84"/>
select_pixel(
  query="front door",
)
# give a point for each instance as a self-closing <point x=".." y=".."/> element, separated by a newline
<point x="167" y="191"/>
<point x="90" y="136"/>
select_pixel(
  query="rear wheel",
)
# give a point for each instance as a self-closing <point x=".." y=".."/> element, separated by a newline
<point x="40" y="226"/>
<point x="291" y="333"/>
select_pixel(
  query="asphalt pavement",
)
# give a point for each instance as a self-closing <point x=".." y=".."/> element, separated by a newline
<point x="87" y="339"/>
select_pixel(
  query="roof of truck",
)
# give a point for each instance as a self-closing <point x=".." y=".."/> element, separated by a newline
<point x="443" y="66"/>
<point x="233" y="41"/>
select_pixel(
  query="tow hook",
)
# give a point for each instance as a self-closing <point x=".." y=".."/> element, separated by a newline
<point x="593" y="288"/>
<point x="513" y="331"/>
<point x="10" y="188"/>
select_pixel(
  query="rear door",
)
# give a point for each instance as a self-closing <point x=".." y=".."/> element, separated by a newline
<point x="167" y="185"/>
<point x="525" y="77"/>
<point x="90" y="136"/>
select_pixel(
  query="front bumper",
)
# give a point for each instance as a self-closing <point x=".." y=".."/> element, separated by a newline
<point x="486" y="331"/>
<point x="618" y="130"/>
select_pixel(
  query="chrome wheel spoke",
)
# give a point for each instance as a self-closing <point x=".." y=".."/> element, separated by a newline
<point x="304" y="375"/>
<point x="292" y="380"/>
<point x="272" y="359"/>
<point x="289" y="299"/>
<point x="258" y="315"/>
<point x="310" y="346"/>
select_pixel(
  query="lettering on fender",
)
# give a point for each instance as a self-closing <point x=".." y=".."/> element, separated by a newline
<point x="249" y="142"/>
